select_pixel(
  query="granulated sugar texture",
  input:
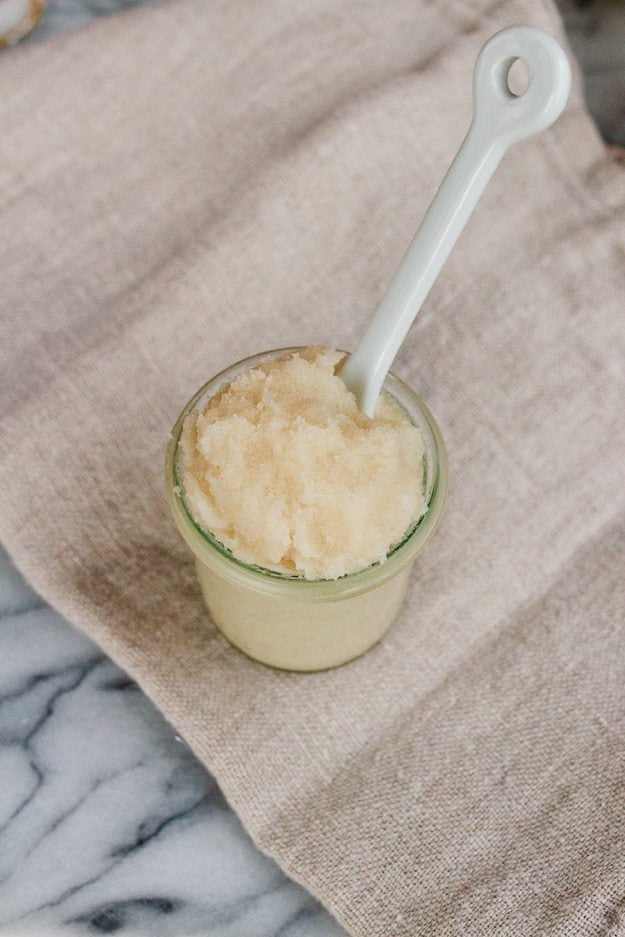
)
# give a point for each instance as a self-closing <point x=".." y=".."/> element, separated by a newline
<point x="287" y="473"/>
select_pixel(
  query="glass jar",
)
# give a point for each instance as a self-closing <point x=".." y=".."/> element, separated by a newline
<point x="290" y="622"/>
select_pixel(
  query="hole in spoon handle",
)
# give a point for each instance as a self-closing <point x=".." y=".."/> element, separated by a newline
<point x="504" y="116"/>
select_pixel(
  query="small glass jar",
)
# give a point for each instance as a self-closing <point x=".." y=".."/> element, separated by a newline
<point x="287" y="621"/>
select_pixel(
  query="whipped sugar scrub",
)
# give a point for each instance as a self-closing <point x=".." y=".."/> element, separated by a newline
<point x="304" y="515"/>
<point x="286" y="472"/>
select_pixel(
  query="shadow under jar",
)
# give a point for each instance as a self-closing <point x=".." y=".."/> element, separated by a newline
<point x="287" y="621"/>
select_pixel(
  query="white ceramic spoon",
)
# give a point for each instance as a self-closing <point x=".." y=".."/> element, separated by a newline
<point x="500" y="119"/>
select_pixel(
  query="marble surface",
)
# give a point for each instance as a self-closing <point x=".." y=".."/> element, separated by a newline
<point x="108" y="824"/>
<point x="596" y="31"/>
<point x="73" y="14"/>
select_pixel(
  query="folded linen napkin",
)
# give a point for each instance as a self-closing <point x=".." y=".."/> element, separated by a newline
<point x="187" y="184"/>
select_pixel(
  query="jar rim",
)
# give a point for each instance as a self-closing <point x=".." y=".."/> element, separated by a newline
<point x="208" y="549"/>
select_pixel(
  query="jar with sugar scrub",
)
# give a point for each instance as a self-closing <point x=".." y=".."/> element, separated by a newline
<point x="307" y="482"/>
<point x="305" y="516"/>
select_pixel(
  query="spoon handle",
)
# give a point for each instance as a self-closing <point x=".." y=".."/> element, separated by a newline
<point x="500" y="119"/>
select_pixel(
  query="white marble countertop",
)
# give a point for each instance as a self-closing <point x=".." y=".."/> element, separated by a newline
<point x="108" y="824"/>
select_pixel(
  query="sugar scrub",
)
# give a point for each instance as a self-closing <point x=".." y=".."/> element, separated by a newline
<point x="286" y="472"/>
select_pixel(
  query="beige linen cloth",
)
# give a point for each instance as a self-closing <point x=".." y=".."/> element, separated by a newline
<point x="188" y="184"/>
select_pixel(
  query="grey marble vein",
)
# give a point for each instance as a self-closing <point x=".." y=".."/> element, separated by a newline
<point x="108" y="824"/>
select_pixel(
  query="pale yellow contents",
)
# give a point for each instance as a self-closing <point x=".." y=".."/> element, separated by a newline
<point x="287" y="473"/>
